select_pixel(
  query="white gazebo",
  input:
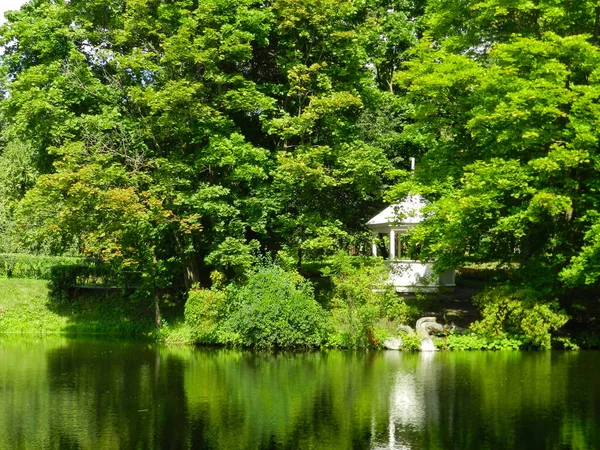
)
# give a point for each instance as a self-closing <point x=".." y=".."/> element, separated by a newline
<point x="407" y="275"/>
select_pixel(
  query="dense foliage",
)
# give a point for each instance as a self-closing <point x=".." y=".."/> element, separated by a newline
<point x="205" y="312"/>
<point x="276" y="308"/>
<point x="171" y="139"/>
<point x="365" y="309"/>
<point x="33" y="267"/>
<point x="507" y="311"/>
<point x="506" y="101"/>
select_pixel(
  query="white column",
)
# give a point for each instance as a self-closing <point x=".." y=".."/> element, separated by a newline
<point x="392" y="244"/>
<point x="374" y="247"/>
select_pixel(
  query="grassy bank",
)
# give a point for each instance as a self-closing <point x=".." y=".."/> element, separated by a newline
<point x="27" y="308"/>
<point x="24" y="308"/>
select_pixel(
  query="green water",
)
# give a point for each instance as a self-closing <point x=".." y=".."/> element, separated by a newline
<point x="57" y="393"/>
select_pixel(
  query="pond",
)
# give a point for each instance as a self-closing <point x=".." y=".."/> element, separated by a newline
<point x="61" y="393"/>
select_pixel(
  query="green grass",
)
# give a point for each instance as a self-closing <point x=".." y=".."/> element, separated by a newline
<point x="176" y="333"/>
<point x="26" y="307"/>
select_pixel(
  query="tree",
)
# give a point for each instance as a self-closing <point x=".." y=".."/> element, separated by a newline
<point x="177" y="136"/>
<point x="18" y="173"/>
<point x="133" y="106"/>
<point x="511" y="166"/>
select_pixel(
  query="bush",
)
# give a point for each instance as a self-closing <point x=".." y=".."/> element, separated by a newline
<point x="14" y="265"/>
<point x="361" y="297"/>
<point x="411" y="342"/>
<point x="276" y="308"/>
<point x="395" y="308"/>
<point x="205" y="311"/>
<point x="508" y="311"/>
<point x="476" y="342"/>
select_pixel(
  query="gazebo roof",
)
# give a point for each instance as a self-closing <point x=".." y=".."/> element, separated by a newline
<point x="406" y="212"/>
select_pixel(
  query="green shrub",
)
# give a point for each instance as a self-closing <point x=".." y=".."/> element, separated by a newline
<point x="508" y="311"/>
<point x="384" y="328"/>
<point x="361" y="297"/>
<point x="32" y="266"/>
<point x="464" y="342"/>
<point x="353" y="326"/>
<point x="476" y="342"/>
<point x="276" y="308"/>
<point x="395" y="308"/>
<point x="411" y="342"/>
<point x="312" y="269"/>
<point x="205" y="311"/>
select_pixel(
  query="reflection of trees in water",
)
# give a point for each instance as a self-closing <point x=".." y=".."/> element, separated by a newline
<point x="22" y="373"/>
<point x="290" y="400"/>
<point x="64" y="394"/>
<point x="133" y="394"/>
<point x="494" y="400"/>
<point x="90" y="394"/>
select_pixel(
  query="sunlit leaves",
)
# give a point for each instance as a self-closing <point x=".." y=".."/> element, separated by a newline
<point x="509" y="113"/>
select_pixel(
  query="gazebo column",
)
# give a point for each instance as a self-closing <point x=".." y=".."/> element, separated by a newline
<point x="374" y="247"/>
<point x="392" y="244"/>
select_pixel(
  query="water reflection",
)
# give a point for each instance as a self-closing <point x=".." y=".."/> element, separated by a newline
<point x="57" y="393"/>
<point x="409" y="400"/>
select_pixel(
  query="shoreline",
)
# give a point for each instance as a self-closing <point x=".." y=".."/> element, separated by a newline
<point x="26" y="309"/>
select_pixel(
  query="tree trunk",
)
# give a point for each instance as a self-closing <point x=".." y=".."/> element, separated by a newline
<point x="300" y="253"/>
<point x="157" y="317"/>
<point x="191" y="271"/>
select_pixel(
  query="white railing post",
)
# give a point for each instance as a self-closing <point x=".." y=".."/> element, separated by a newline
<point x="374" y="247"/>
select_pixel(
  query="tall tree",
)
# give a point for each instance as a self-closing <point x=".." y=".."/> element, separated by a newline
<point x="505" y="95"/>
<point x="135" y="110"/>
<point x="178" y="136"/>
